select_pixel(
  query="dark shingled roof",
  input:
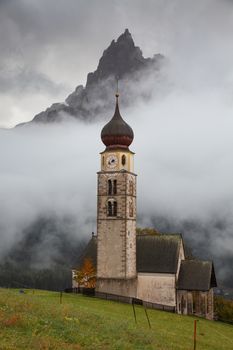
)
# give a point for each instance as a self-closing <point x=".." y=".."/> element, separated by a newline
<point x="155" y="253"/>
<point x="196" y="275"/>
<point x="90" y="252"/>
<point x="158" y="253"/>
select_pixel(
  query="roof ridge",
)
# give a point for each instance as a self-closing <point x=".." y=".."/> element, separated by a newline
<point x="198" y="260"/>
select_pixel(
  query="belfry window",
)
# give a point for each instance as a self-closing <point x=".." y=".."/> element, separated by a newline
<point x="112" y="208"/>
<point x="123" y="159"/>
<point x="115" y="208"/>
<point x="114" y="186"/>
<point x="109" y="187"/>
<point x="109" y="208"/>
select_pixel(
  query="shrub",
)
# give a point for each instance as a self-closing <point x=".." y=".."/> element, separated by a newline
<point x="223" y="309"/>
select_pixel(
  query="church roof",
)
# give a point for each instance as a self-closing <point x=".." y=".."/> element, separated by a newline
<point x="90" y="252"/>
<point x="158" y="253"/>
<point x="155" y="253"/>
<point x="196" y="275"/>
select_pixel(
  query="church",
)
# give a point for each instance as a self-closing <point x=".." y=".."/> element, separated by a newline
<point x="150" y="268"/>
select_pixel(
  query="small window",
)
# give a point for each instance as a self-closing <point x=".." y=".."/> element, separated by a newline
<point x="115" y="187"/>
<point x="123" y="159"/>
<point x="103" y="160"/>
<point x="109" y="208"/>
<point x="109" y="187"/>
<point x="115" y="208"/>
<point x="112" y="208"/>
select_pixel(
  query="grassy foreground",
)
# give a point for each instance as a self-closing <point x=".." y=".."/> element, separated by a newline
<point x="39" y="321"/>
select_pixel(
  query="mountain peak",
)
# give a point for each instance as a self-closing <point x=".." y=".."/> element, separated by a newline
<point x="122" y="60"/>
<point x="121" y="57"/>
<point x="125" y="36"/>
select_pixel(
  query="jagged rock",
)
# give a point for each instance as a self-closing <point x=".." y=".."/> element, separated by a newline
<point x="122" y="60"/>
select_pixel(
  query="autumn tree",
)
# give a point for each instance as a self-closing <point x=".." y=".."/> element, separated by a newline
<point x="86" y="275"/>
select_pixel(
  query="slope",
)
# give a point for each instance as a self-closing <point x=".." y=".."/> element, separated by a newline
<point x="39" y="321"/>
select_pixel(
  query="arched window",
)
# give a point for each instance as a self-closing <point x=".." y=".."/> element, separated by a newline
<point x="112" y="208"/>
<point x="109" y="208"/>
<point x="115" y="208"/>
<point x="123" y="160"/>
<point x="109" y="187"/>
<point x="114" y="186"/>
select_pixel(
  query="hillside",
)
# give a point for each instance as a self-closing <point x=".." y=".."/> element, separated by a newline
<point x="39" y="321"/>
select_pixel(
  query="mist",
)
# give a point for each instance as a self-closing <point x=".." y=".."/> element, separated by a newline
<point x="183" y="134"/>
<point x="183" y="161"/>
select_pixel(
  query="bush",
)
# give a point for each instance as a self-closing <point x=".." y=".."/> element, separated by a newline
<point x="223" y="309"/>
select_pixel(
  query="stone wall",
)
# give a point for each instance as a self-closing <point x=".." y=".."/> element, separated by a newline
<point x="116" y="236"/>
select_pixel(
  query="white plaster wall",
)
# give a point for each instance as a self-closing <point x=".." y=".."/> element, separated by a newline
<point x="74" y="282"/>
<point x="157" y="288"/>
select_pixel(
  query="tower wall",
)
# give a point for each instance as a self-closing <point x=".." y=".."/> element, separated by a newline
<point x="116" y="236"/>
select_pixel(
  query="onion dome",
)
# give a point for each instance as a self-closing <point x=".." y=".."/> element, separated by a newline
<point x="117" y="133"/>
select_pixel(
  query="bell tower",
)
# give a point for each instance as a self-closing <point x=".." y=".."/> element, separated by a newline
<point x="116" y="210"/>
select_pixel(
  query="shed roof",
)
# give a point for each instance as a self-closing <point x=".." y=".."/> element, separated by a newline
<point x="158" y="253"/>
<point x="196" y="275"/>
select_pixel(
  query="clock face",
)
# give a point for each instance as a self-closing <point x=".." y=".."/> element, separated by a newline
<point x="112" y="161"/>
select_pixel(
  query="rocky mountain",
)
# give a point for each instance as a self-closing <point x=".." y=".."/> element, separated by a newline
<point x="122" y="61"/>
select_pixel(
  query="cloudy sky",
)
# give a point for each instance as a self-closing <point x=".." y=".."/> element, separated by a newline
<point x="183" y="140"/>
<point x="48" y="47"/>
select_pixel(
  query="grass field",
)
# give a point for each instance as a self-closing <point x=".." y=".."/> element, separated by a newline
<point x="39" y="321"/>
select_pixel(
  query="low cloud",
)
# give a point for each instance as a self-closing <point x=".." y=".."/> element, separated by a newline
<point x="183" y="134"/>
<point x="183" y="161"/>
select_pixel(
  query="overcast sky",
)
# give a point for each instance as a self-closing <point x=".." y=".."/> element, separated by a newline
<point x="47" y="47"/>
<point x="183" y="140"/>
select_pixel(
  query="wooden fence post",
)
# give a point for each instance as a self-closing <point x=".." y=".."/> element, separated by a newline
<point x="135" y="318"/>
<point x="195" y="335"/>
<point x="147" y="317"/>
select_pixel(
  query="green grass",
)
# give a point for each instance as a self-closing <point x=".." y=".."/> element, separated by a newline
<point x="39" y="321"/>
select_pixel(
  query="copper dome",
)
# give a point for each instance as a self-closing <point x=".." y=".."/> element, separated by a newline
<point x="117" y="133"/>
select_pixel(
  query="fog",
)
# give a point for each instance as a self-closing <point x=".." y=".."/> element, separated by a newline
<point x="183" y="161"/>
<point x="183" y="135"/>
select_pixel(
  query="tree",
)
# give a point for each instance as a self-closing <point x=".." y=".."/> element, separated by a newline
<point x="147" y="231"/>
<point x="86" y="276"/>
